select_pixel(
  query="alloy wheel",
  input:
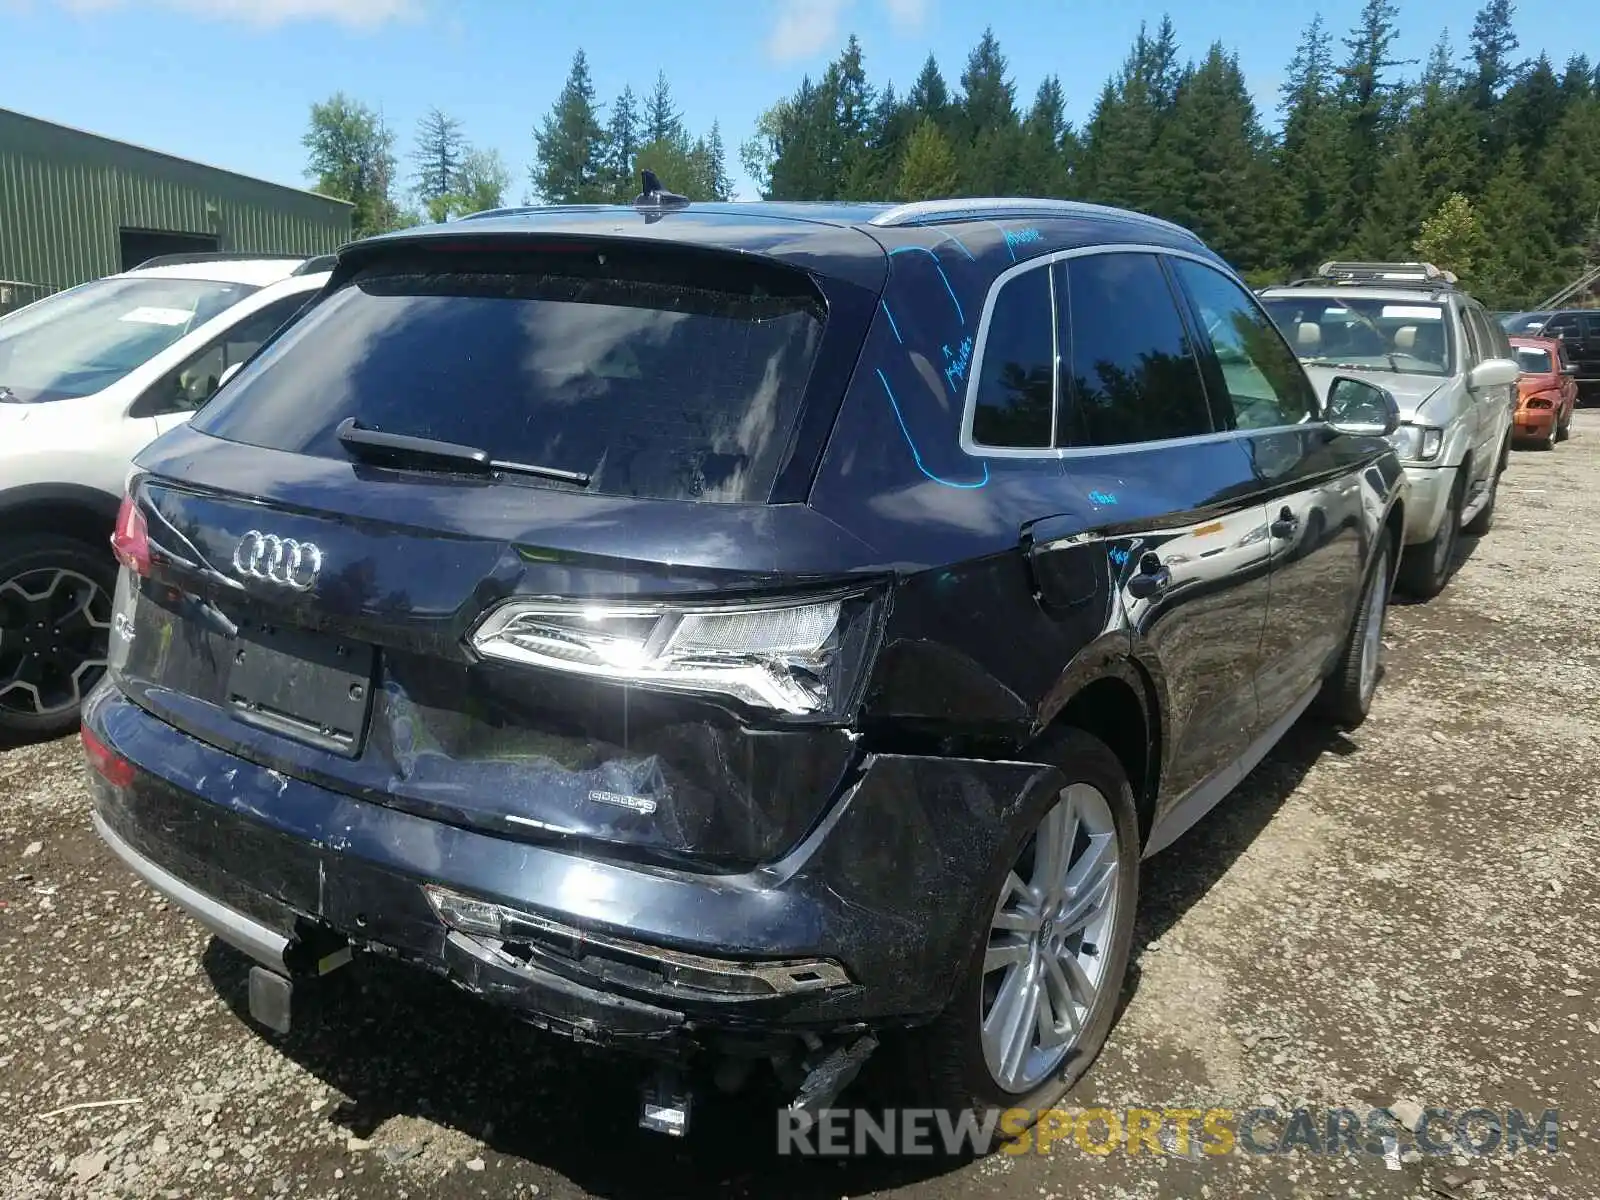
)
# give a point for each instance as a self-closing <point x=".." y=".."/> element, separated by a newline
<point x="1049" y="941"/>
<point x="54" y="624"/>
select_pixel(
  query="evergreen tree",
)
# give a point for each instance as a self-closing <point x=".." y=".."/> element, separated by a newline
<point x="1577" y="82"/>
<point x="1568" y="175"/>
<point x="928" y="171"/>
<point x="929" y="96"/>
<point x="1124" y="160"/>
<point x="1493" y="42"/>
<point x="1049" y="146"/>
<point x="439" y="150"/>
<point x="1312" y="169"/>
<point x="662" y="120"/>
<point x="1220" y="184"/>
<point x="621" y="147"/>
<point x="1522" y="264"/>
<point x="988" y="97"/>
<point x="718" y="181"/>
<point x="570" y="143"/>
<point x="1370" y="100"/>
<point x="1445" y="131"/>
<point x="1533" y="106"/>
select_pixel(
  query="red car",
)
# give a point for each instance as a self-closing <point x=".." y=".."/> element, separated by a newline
<point x="1546" y="393"/>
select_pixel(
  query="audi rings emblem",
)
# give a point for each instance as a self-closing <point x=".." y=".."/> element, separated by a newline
<point x="274" y="559"/>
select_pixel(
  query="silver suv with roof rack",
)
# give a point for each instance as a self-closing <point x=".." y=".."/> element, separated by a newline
<point x="1410" y="328"/>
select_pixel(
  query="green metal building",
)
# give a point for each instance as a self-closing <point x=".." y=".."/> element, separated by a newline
<point x="75" y="206"/>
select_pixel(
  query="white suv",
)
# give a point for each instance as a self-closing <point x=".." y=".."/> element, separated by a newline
<point x="1408" y="328"/>
<point x="88" y="377"/>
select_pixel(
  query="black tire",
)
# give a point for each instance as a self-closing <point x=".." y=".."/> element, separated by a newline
<point x="1552" y="437"/>
<point x="1564" y="430"/>
<point x="943" y="1062"/>
<point x="1483" y="521"/>
<point x="1346" y="696"/>
<point x="1425" y="569"/>
<point x="44" y="642"/>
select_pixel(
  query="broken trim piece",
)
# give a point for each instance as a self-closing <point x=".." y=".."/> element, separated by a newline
<point x="484" y="919"/>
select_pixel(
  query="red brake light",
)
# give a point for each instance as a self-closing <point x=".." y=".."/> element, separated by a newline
<point x="130" y="541"/>
<point x="106" y="762"/>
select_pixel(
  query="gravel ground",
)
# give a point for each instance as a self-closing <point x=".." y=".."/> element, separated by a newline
<point x="1403" y="916"/>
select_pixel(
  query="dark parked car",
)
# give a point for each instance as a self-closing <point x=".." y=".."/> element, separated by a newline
<point x="1579" y="331"/>
<point x="740" y="633"/>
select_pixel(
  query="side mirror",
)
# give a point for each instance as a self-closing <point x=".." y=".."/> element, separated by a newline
<point x="1569" y="369"/>
<point x="1358" y="407"/>
<point x="1492" y="372"/>
<point x="229" y="373"/>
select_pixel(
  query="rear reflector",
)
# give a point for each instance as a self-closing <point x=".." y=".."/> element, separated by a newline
<point x="130" y="541"/>
<point x="106" y="762"/>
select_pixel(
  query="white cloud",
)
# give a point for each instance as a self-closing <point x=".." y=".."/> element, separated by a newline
<point x="804" y="29"/>
<point x="807" y="28"/>
<point x="358" y="14"/>
<point x="908" y="15"/>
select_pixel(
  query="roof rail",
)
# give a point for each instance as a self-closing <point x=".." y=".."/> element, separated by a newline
<point x="212" y="256"/>
<point x="517" y="210"/>
<point x="1399" y="273"/>
<point x="992" y="208"/>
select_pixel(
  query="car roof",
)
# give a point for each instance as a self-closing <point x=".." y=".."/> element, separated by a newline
<point x="846" y="238"/>
<point x="257" y="271"/>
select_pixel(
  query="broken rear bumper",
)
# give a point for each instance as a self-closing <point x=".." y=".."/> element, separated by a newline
<point x="884" y="897"/>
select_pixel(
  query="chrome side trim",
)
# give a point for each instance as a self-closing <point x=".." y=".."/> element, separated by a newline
<point x="1204" y="796"/>
<point x="243" y="933"/>
<point x="980" y="344"/>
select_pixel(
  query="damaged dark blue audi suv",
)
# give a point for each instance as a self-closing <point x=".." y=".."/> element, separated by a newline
<point x="739" y="633"/>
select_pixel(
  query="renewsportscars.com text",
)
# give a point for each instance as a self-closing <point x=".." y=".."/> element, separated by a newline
<point x="1190" y="1132"/>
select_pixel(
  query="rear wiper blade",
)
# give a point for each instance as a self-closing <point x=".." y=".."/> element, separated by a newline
<point x="375" y="446"/>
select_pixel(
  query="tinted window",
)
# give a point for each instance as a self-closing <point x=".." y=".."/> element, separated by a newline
<point x="1564" y="325"/>
<point x="1258" y="372"/>
<point x="1591" y="326"/>
<point x="1015" y="396"/>
<point x="655" y="376"/>
<point x="1130" y="372"/>
<point x="1487" y="334"/>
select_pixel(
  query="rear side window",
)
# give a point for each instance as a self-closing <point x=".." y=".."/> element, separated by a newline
<point x="657" y="376"/>
<point x="1016" y="378"/>
<point x="1129" y="370"/>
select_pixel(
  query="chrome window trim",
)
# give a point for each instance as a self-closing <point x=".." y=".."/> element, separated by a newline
<point x="976" y="449"/>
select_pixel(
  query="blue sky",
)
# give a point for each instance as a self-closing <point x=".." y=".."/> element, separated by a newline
<point x="229" y="82"/>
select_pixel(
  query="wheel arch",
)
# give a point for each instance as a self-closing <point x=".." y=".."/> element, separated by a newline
<point x="1117" y="703"/>
<point x="84" y="514"/>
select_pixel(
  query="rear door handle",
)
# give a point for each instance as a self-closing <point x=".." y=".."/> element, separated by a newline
<point x="1286" y="524"/>
<point x="1153" y="576"/>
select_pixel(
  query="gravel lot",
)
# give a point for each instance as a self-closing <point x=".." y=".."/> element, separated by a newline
<point x="1406" y="914"/>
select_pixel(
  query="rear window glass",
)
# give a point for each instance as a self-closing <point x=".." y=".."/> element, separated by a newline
<point x="673" y="382"/>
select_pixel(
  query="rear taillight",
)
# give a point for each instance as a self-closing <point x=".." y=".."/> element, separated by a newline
<point x="130" y="541"/>
<point x="106" y="762"/>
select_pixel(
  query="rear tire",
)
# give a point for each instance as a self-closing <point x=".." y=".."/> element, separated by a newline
<point x="950" y="1064"/>
<point x="1425" y="569"/>
<point x="55" y="616"/>
<point x="1347" y="694"/>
